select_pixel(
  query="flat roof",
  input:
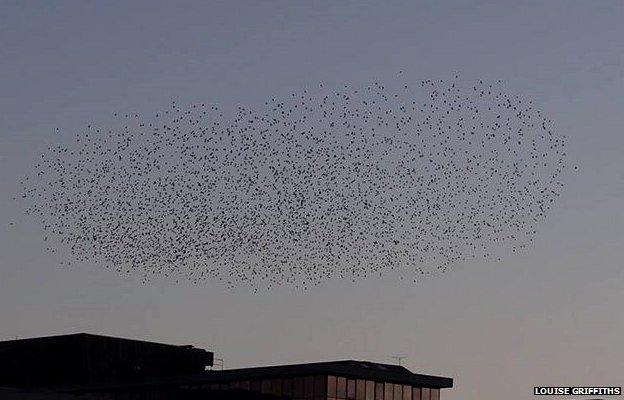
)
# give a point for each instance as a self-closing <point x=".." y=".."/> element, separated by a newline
<point x="83" y="335"/>
<point x="346" y="368"/>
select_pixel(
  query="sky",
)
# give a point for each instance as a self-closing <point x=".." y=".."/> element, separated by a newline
<point x="549" y="316"/>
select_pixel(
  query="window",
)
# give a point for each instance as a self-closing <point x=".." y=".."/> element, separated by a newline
<point x="351" y="389"/>
<point x="388" y="391"/>
<point x="276" y="387"/>
<point x="308" y="387"/>
<point x="265" y="386"/>
<point x="425" y="394"/>
<point x="435" y="394"/>
<point x="298" y="388"/>
<point x="370" y="390"/>
<point x="407" y="392"/>
<point x="341" y="388"/>
<point x="379" y="391"/>
<point x="416" y="393"/>
<point x="398" y="392"/>
<point x="244" y="385"/>
<point x="331" y="386"/>
<point x="360" y="389"/>
<point x="319" y="386"/>
<point x="256" y="386"/>
<point x="287" y="387"/>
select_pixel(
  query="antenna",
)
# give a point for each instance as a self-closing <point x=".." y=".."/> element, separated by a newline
<point x="398" y="359"/>
<point x="218" y="362"/>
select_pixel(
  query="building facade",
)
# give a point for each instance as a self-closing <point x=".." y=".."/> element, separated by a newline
<point x="92" y="367"/>
<point x="336" y="380"/>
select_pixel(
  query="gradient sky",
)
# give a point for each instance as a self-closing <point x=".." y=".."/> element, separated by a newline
<point x="551" y="316"/>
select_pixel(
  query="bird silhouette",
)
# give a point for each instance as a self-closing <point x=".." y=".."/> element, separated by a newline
<point x="350" y="182"/>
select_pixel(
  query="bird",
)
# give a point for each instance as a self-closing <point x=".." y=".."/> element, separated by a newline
<point x="355" y="181"/>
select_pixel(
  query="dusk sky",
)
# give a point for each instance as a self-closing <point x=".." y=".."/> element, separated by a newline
<point x="551" y="315"/>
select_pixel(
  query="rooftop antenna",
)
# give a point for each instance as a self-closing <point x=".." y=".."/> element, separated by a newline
<point x="219" y="363"/>
<point x="398" y="359"/>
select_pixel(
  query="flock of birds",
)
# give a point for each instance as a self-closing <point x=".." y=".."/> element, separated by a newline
<point x="350" y="182"/>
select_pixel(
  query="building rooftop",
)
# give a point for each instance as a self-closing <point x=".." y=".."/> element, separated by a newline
<point x="83" y="358"/>
<point x="347" y="368"/>
<point x="82" y="336"/>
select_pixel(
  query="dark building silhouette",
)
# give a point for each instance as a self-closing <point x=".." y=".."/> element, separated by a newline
<point x="92" y="367"/>
<point x="83" y="358"/>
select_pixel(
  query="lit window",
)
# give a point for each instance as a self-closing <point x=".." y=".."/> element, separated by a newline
<point x="398" y="392"/>
<point x="341" y="388"/>
<point x="379" y="391"/>
<point x="351" y="389"/>
<point x="360" y="389"/>
<point x="331" y="386"/>
<point x="407" y="392"/>
<point x="388" y="391"/>
<point x="370" y="390"/>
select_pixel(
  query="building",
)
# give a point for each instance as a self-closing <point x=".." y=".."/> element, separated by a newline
<point x="84" y="366"/>
<point x="83" y="358"/>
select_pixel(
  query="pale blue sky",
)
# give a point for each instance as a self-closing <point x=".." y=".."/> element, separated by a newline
<point x="551" y="316"/>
